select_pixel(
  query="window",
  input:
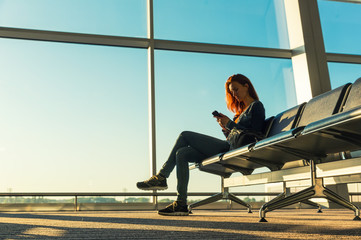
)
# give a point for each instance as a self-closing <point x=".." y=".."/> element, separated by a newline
<point x="247" y="22"/>
<point x="190" y="86"/>
<point x="341" y="26"/>
<point x="106" y="17"/>
<point x="342" y="73"/>
<point x="69" y="112"/>
<point x="76" y="115"/>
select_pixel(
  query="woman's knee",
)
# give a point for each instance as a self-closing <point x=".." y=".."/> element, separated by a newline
<point x="186" y="134"/>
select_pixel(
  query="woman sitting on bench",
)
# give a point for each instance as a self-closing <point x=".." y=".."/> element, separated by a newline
<point x="241" y="99"/>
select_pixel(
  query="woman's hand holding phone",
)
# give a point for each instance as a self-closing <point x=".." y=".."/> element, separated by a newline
<point x="221" y="119"/>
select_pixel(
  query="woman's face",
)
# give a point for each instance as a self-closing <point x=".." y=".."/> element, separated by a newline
<point x="238" y="91"/>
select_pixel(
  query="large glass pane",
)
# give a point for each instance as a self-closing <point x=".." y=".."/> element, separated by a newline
<point x="342" y="73"/>
<point x="341" y="26"/>
<point x="73" y="117"/>
<point x="189" y="86"/>
<point x="258" y="23"/>
<point x="107" y="17"/>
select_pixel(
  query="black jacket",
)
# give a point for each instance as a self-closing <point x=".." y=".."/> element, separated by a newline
<point x="251" y="119"/>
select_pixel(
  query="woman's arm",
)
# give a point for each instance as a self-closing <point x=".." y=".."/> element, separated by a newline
<point x="222" y="121"/>
<point x="225" y="132"/>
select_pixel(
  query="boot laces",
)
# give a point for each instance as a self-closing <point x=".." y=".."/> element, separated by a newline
<point x="154" y="177"/>
<point x="173" y="205"/>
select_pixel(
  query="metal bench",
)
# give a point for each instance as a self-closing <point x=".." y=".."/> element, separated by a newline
<point x="306" y="135"/>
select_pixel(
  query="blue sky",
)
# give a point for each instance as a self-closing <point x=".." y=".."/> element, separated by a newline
<point x="74" y="117"/>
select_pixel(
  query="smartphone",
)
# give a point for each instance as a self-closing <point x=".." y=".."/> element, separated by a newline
<point x="216" y="114"/>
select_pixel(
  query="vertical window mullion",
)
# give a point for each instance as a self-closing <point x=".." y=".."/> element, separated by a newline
<point x="151" y="93"/>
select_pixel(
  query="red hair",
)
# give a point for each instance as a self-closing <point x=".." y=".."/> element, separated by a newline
<point x="232" y="104"/>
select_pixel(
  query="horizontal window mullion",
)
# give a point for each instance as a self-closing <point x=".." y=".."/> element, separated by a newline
<point x="221" y="49"/>
<point x="343" y="58"/>
<point x="80" y="38"/>
<point x="66" y="37"/>
<point x="346" y="1"/>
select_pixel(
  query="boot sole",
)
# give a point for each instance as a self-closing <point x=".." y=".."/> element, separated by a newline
<point x="153" y="188"/>
<point x="174" y="214"/>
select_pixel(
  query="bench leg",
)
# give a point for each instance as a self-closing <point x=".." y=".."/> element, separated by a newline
<point x="332" y="196"/>
<point x="211" y="199"/>
<point x="286" y="192"/>
<point x="233" y="198"/>
<point x="284" y="202"/>
<point x="220" y="196"/>
<point x="316" y="190"/>
<point x="308" y="202"/>
<point x="224" y="194"/>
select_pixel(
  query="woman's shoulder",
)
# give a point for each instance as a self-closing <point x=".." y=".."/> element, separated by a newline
<point x="257" y="106"/>
<point x="257" y="103"/>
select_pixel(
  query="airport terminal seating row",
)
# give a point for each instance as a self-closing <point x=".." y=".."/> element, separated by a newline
<point x="305" y="135"/>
